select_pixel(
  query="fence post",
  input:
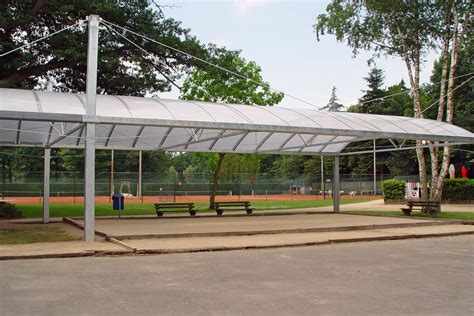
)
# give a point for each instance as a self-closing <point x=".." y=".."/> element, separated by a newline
<point x="3" y="183"/>
<point x="74" y="187"/>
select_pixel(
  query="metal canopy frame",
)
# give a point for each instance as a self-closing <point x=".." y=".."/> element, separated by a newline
<point x="67" y="120"/>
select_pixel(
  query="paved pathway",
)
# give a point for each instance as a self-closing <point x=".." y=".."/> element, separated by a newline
<point x="214" y="224"/>
<point x="411" y="277"/>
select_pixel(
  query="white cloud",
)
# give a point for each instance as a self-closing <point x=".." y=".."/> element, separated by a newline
<point x="245" y="5"/>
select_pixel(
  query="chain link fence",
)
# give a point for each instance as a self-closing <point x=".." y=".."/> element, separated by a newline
<point x="71" y="184"/>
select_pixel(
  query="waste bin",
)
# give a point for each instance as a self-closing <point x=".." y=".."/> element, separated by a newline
<point x="118" y="202"/>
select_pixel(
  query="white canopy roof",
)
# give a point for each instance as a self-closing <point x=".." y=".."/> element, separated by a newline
<point x="52" y="119"/>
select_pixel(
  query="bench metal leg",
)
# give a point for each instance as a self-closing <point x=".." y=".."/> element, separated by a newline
<point x="219" y="212"/>
<point x="159" y="213"/>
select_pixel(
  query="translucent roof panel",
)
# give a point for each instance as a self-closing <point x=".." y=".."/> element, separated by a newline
<point x="53" y="119"/>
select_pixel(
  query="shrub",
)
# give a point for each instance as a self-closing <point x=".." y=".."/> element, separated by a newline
<point x="393" y="189"/>
<point x="8" y="211"/>
<point x="458" y="189"/>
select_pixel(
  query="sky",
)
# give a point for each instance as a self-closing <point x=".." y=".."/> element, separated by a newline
<point x="279" y="37"/>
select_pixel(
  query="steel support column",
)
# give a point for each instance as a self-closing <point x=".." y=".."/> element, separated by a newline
<point x="46" y="184"/>
<point x="91" y="96"/>
<point x="139" y="189"/>
<point x="375" y="170"/>
<point x="336" y="185"/>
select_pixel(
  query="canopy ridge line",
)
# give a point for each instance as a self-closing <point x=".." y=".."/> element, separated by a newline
<point x="125" y="105"/>
<point x="38" y="101"/>
<point x="202" y="140"/>
<point x="63" y="136"/>
<point x="140" y="131"/>
<point x="80" y="100"/>
<point x="300" y="113"/>
<point x="365" y="123"/>
<point x="107" y="140"/>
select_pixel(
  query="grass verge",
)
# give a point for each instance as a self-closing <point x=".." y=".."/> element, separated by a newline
<point x="444" y="215"/>
<point x="105" y="209"/>
<point x="26" y="234"/>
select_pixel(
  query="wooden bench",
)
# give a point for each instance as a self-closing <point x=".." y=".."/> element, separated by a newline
<point x="233" y="205"/>
<point x="159" y="207"/>
<point x="433" y="207"/>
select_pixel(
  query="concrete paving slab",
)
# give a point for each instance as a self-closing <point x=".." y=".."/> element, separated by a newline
<point x="430" y="229"/>
<point x="254" y="241"/>
<point x="121" y="228"/>
<point x="58" y="249"/>
<point x="281" y="240"/>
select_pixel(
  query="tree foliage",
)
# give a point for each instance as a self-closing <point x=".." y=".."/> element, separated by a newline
<point x="123" y="69"/>
<point x="212" y="84"/>
<point x="333" y="105"/>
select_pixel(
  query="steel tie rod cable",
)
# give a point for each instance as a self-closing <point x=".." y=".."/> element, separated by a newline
<point x="41" y="38"/>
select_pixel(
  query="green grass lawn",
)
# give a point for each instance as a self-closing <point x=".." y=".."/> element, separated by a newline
<point x="33" y="234"/>
<point x="445" y="215"/>
<point x="105" y="209"/>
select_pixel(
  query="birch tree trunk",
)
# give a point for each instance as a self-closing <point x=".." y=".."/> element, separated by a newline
<point x="412" y="62"/>
<point x="441" y="106"/>
<point x="438" y="187"/>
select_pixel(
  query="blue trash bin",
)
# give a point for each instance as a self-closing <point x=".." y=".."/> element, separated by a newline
<point x="118" y="202"/>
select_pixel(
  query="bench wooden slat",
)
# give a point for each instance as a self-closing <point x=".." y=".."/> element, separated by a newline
<point x="233" y="205"/>
<point x="159" y="207"/>
<point x="425" y="206"/>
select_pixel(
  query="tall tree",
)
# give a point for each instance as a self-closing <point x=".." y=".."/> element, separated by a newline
<point x="333" y="105"/>
<point x="123" y="68"/>
<point x="373" y="99"/>
<point x="407" y="29"/>
<point x="215" y="85"/>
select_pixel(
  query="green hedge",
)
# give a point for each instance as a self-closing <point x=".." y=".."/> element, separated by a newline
<point x="393" y="189"/>
<point x="458" y="189"/>
<point x="9" y="211"/>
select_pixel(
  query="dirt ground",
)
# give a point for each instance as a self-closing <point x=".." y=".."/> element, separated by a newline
<point x="68" y="229"/>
